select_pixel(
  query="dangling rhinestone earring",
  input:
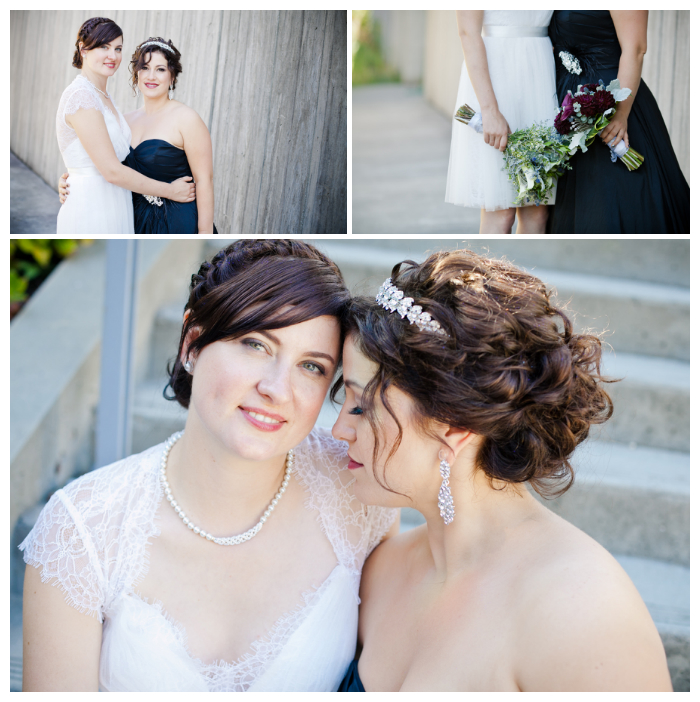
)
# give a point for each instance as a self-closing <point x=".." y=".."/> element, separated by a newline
<point x="170" y="92"/>
<point x="187" y="365"/>
<point x="447" y="511"/>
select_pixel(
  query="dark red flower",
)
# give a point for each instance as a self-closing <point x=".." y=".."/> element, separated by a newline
<point x="588" y="105"/>
<point x="603" y="100"/>
<point x="562" y="125"/>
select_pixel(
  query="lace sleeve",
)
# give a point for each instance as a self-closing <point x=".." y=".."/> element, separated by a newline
<point x="353" y="529"/>
<point x="60" y="546"/>
<point x="81" y="98"/>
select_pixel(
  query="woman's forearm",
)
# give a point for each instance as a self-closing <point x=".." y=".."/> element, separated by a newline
<point x="129" y="179"/>
<point x="474" y="52"/>
<point x="629" y="74"/>
<point x="205" y="205"/>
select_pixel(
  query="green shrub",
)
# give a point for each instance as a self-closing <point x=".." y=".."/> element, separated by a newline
<point x="368" y="64"/>
<point x="32" y="260"/>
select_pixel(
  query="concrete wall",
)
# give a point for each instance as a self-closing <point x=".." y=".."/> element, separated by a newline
<point x="270" y="86"/>
<point x="403" y="41"/>
<point x="55" y="361"/>
<point x="666" y="68"/>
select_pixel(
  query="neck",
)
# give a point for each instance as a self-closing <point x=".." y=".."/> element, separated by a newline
<point x="153" y="105"/>
<point x="485" y="519"/>
<point x="220" y="492"/>
<point x="97" y="79"/>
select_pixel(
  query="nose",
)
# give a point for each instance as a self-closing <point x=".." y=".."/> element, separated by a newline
<point x="276" y="383"/>
<point x="343" y="429"/>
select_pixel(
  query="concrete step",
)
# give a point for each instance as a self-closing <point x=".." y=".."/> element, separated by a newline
<point x="647" y="260"/>
<point x="633" y="500"/>
<point x="154" y="417"/>
<point x="643" y="317"/>
<point x="651" y="403"/>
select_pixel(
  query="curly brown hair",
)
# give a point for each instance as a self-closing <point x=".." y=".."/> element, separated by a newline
<point x="253" y="285"/>
<point x="142" y="56"/>
<point x="93" y="33"/>
<point x="511" y="369"/>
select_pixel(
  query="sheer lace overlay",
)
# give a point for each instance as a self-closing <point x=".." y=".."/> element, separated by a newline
<point x="91" y="540"/>
<point x="81" y="94"/>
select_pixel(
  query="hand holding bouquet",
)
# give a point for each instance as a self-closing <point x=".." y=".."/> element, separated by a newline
<point x="534" y="157"/>
<point x="584" y="114"/>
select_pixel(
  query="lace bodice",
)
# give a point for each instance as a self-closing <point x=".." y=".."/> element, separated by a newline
<point x="91" y="540"/>
<point x="81" y="94"/>
<point x="518" y="18"/>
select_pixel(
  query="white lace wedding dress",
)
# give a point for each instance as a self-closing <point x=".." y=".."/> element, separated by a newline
<point x="522" y="73"/>
<point x="93" y="206"/>
<point x="92" y="541"/>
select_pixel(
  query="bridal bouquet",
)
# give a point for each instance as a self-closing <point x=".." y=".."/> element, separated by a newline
<point x="534" y="158"/>
<point x="584" y="114"/>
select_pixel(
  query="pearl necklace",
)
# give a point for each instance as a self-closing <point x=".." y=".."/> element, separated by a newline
<point x="230" y="540"/>
<point x="96" y="88"/>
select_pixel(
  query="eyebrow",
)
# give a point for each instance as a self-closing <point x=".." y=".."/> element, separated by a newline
<point x="315" y="354"/>
<point x="354" y="384"/>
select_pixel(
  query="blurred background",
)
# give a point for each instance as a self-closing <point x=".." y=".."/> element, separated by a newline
<point x="88" y="355"/>
<point x="406" y="68"/>
<point x="271" y="86"/>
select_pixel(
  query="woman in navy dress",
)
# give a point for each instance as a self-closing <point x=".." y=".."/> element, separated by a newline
<point x="169" y="140"/>
<point x="598" y="196"/>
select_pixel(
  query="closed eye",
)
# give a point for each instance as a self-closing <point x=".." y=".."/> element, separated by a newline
<point x="356" y="410"/>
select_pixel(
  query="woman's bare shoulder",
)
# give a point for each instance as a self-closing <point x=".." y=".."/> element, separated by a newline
<point x="582" y="624"/>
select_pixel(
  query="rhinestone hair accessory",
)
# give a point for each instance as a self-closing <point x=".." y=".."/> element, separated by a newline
<point x="157" y="43"/>
<point x="391" y="298"/>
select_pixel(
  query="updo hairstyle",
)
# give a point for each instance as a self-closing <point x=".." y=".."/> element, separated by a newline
<point x="511" y="369"/>
<point x="253" y="285"/>
<point x="142" y="56"/>
<point x="93" y="33"/>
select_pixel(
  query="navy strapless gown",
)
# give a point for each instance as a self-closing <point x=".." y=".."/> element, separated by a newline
<point x="598" y="196"/>
<point x="351" y="682"/>
<point x="162" y="161"/>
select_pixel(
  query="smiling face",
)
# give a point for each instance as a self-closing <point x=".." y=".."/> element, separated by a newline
<point x="412" y="469"/>
<point x="259" y="395"/>
<point x="154" y="78"/>
<point x="103" y="60"/>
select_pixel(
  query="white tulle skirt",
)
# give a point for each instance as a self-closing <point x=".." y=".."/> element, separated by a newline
<point x="95" y="206"/>
<point x="523" y="79"/>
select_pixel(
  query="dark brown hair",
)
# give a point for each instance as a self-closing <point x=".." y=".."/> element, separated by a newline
<point x="253" y="285"/>
<point x="142" y="56"/>
<point x="94" y="33"/>
<point x="511" y="369"/>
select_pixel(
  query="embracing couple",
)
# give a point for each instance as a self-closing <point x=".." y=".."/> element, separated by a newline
<point x="132" y="173"/>
<point x="233" y="556"/>
<point x="518" y="67"/>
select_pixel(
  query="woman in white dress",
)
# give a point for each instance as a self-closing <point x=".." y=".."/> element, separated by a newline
<point x="495" y="592"/>
<point x="227" y="558"/>
<point x="508" y="75"/>
<point x="94" y="138"/>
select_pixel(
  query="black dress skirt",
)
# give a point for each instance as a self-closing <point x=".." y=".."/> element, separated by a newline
<point x="162" y="161"/>
<point x="598" y="196"/>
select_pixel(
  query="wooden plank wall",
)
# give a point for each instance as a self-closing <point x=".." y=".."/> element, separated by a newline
<point x="270" y="85"/>
<point x="666" y="69"/>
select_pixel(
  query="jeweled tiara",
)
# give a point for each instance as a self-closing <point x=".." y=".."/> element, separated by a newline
<point x="391" y="298"/>
<point x="157" y="43"/>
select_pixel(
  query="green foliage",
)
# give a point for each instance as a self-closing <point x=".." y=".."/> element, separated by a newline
<point x="31" y="261"/>
<point x="368" y="64"/>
